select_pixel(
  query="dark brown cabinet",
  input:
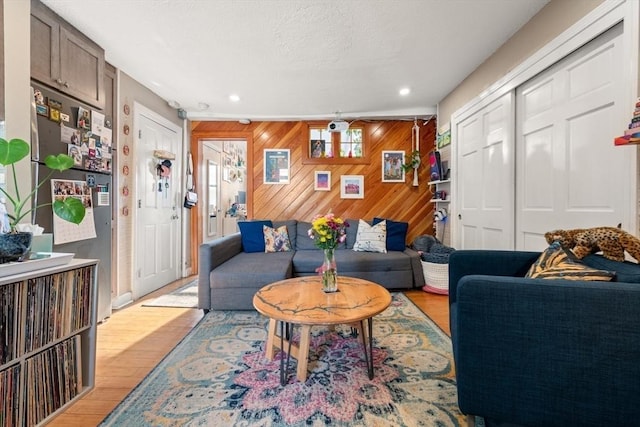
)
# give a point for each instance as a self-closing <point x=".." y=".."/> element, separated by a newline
<point x="64" y="59"/>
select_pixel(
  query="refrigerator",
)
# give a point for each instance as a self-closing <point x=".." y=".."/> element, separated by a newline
<point x="49" y="130"/>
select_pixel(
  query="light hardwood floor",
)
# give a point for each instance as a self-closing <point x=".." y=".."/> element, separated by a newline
<point x="134" y="340"/>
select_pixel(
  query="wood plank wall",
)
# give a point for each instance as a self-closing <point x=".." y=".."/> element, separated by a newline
<point x="298" y="200"/>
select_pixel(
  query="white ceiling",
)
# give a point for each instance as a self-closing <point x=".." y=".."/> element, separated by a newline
<point x="299" y="59"/>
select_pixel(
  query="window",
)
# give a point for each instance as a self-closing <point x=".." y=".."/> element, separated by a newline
<point x="344" y="147"/>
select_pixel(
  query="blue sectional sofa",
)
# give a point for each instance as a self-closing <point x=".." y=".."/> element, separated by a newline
<point x="536" y="352"/>
<point x="229" y="276"/>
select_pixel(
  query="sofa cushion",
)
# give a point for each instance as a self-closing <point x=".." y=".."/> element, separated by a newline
<point x="303" y="241"/>
<point x="276" y="239"/>
<point x="371" y="238"/>
<point x="252" y="270"/>
<point x="396" y="233"/>
<point x="557" y="263"/>
<point x="352" y="232"/>
<point x="628" y="272"/>
<point x="252" y="235"/>
<point x="305" y="262"/>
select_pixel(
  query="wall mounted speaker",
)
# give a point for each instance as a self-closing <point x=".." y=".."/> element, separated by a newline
<point x="182" y="114"/>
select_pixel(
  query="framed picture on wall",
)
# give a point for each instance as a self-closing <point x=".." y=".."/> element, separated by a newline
<point x="392" y="170"/>
<point x="276" y="166"/>
<point x="352" y="187"/>
<point x="322" y="181"/>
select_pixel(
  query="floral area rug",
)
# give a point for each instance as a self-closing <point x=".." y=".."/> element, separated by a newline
<point x="218" y="376"/>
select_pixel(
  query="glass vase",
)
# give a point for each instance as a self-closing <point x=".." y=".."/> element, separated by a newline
<point x="329" y="272"/>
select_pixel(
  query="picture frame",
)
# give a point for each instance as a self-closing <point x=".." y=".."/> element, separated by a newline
<point x="317" y="148"/>
<point x="392" y="170"/>
<point x="226" y="147"/>
<point x="276" y="166"/>
<point x="322" y="181"/>
<point x="352" y="187"/>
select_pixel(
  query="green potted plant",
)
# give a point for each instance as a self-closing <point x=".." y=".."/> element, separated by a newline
<point x="70" y="209"/>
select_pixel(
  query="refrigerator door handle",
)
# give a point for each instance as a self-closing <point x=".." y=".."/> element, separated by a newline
<point x="35" y="177"/>
<point x="35" y="140"/>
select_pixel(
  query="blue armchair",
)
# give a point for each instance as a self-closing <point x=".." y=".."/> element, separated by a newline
<point x="536" y="352"/>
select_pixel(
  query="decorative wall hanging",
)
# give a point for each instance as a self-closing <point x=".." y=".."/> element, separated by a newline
<point x="392" y="170"/>
<point x="352" y="187"/>
<point x="276" y="166"/>
<point x="322" y="181"/>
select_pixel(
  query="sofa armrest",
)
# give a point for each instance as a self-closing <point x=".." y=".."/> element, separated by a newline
<point x="416" y="266"/>
<point x="490" y="262"/>
<point x="548" y="352"/>
<point x="211" y="255"/>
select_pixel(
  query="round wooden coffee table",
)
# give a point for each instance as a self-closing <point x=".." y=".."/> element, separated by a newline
<point x="301" y="301"/>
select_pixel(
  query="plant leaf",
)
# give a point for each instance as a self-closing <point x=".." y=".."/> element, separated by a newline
<point x="13" y="151"/>
<point x="70" y="209"/>
<point x="61" y="162"/>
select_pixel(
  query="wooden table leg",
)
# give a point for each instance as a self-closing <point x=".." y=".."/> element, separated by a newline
<point x="303" y="352"/>
<point x="271" y="334"/>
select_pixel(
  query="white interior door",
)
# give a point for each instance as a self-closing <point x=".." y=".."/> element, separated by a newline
<point x="158" y="229"/>
<point x="570" y="174"/>
<point x="485" y="178"/>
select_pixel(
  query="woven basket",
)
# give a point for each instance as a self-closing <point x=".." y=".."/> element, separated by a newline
<point x="436" y="277"/>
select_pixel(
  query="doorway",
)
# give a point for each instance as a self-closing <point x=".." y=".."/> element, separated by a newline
<point x="212" y="215"/>
<point x="223" y="167"/>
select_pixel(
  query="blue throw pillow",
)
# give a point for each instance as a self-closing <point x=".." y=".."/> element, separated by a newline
<point x="396" y="234"/>
<point x="252" y="235"/>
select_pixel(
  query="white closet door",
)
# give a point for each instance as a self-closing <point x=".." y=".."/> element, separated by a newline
<point x="569" y="173"/>
<point x="486" y="177"/>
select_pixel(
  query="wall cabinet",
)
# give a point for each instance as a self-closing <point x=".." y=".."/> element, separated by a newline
<point x="65" y="59"/>
<point x="47" y="341"/>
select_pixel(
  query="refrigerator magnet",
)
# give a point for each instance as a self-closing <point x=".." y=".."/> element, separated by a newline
<point x="64" y="117"/>
<point x="42" y="110"/>
<point x="125" y="211"/>
<point x="55" y="104"/>
<point x="126" y="109"/>
<point x="39" y="98"/>
<point x="125" y="170"/>
<point x="54" y="115"/>
<point x="125" y="129"/>
<point x="125" y="191"/>
<point x="125" y="150"/>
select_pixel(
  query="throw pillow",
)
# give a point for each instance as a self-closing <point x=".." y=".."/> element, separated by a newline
<point x="252" y="235"/>
<point x="558" y="263"/>
<point x="396" y="234"/>
<point x="276" y="239"/>
<point x="371" y="238"/>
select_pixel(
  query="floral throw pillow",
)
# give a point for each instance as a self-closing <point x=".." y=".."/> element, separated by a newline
<point x="276" y="239"/>
<point x="371" y="238"/>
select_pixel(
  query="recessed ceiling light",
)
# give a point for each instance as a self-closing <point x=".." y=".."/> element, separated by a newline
<point x="405" y="91"/>
<point x="234" y="98"/>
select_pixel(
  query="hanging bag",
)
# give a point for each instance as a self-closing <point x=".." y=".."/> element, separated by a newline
<point x="191" y="197"/>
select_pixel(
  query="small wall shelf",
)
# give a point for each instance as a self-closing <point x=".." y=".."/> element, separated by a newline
<point x="438" y="182"/>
